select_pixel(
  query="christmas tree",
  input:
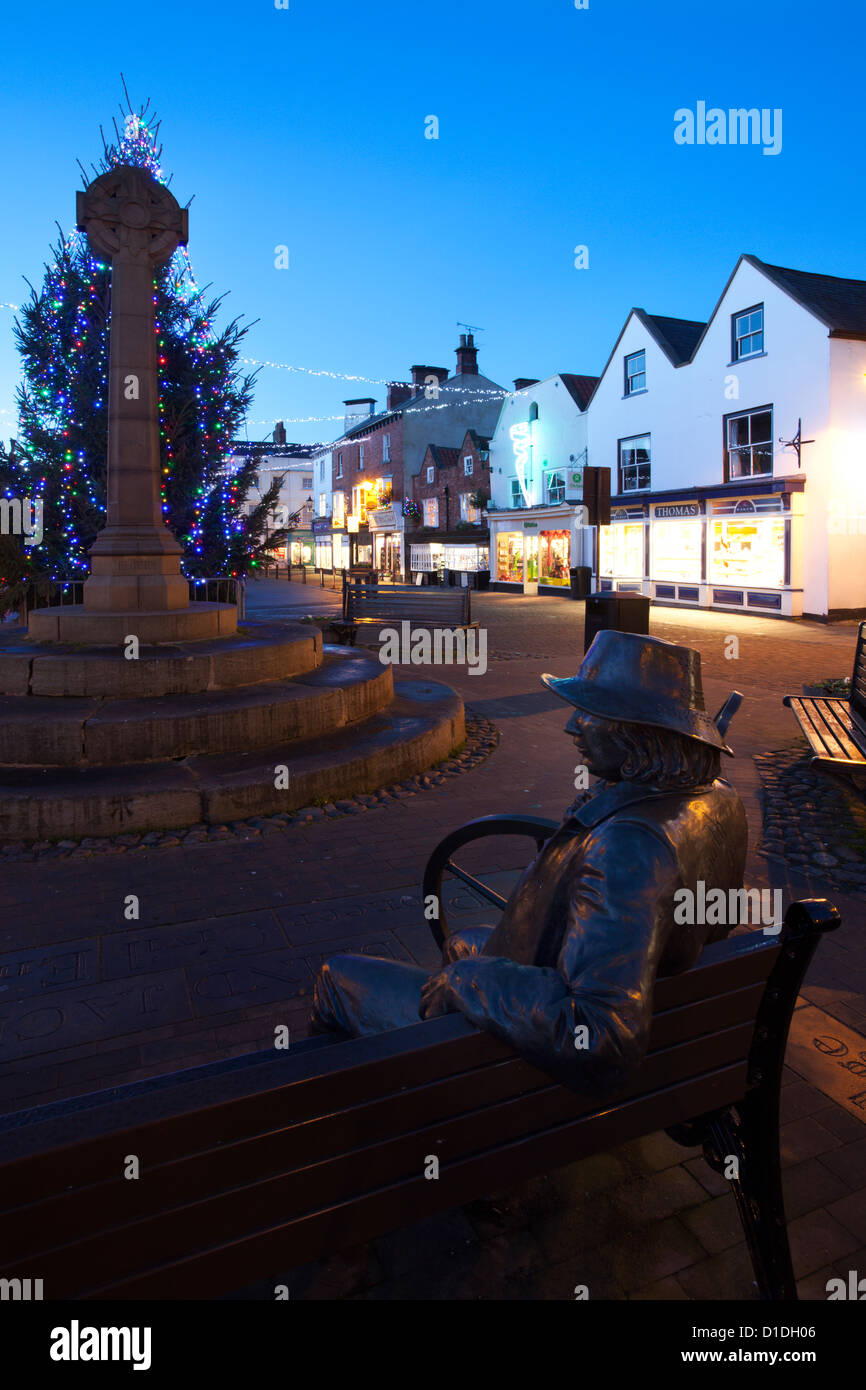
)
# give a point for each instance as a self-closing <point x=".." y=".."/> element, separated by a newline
<point x="59" y="455"/>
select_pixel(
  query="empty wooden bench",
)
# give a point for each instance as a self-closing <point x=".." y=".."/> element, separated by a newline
<point x="249" y="1173"/>
<point x="836" y="728"/>
<point x="391" y="604"/>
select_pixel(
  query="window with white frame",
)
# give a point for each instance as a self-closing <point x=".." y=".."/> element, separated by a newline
<point x="555" y="483"/>
<point x="360" y="456"/>
<point x="431" y="511"/>
<point x="747" y="333"/>
<point x="321" y="470"/>
<point x="468" y="511"/>
<point x="307" y="483"/>
<point x="431" y="473"/>
<point x="323" y="504"/>
<point x="338" y="510"/>
<point x="634" y="463"/>
<point x="635" y="373"/>
<point x="468" y="464"/>
<point x="339" y="465"/>
<point x="386" y="448"/>
<point x="749" y="439"/>
<point x="517" y="495"/>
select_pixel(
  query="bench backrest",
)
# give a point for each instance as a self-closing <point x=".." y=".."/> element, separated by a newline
<point x="331" y="1147"/>
<point x="858" y="678"/>
<point x="395" y="602"/>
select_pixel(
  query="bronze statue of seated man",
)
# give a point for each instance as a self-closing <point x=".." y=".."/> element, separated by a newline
<point x="567" y="975"/>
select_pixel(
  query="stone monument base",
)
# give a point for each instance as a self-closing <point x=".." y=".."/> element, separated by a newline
<point x="75" y="623"/>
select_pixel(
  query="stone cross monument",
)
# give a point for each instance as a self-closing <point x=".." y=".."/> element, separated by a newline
<point x="135" y="585"/>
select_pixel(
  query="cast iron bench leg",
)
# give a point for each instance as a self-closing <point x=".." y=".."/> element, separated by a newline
<point x="749" y="1131"/>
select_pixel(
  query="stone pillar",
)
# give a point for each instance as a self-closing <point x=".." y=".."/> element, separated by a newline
<point x="136" y="586"/>
<point x="136" y="223"/>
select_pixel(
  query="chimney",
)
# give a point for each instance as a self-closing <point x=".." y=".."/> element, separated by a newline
<point x="398" y="392"/>
<point x="357" y="410"/>
<point x="420" y="374"/>
<point x="467" y="356"/>
<point x="280" y="433"/>
<point x="521" y="382"/>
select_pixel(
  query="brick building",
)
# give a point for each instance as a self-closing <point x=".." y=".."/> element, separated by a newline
<point x="451" y="527"/>
<point x="377" y="458"/>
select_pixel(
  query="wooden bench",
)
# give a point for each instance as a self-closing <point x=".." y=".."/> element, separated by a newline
<point x="391" y="604"/>
<point x="250" y="1171"/>
<point x="836" y="728"/>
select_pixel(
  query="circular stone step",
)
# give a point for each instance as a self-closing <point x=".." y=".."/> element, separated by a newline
<point x="257" y="653"/>
<point x="422" y="725"/>
<point x="74" y="623"/>
<point x="39" y="731"/>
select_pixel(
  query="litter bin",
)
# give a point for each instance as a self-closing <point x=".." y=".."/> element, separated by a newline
<point x="482" y="579"/>
<point x="581" y="579"/>
<point x="623" y="612"/>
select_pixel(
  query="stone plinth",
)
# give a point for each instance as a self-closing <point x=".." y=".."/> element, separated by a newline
<point x="82" y="624"/>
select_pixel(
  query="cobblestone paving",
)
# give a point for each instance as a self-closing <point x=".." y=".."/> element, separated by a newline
<point x="812" y="821"/>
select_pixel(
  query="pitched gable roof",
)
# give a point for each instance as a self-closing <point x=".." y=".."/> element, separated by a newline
<point x="838" y="303"/>
<point x="580" y="388"/>
<point x="443" y="457"/>
<point x="677" y="338"/>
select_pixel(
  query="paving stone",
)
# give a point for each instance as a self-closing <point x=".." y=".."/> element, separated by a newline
<point x="816" y="1239"/>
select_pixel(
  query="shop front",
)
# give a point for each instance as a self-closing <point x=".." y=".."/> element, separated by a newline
<point x="452" y="559"/>
<point x="535" y="553"/>
<point x="385" y="528"/>
<point x="711" y="550"/>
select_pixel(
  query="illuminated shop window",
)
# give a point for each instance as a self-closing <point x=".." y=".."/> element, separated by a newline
<point x="621" y="550"/>
<point x="509" y="557"/>
<point x="676" y="550"/>
<point x="554" y="548"/>
<point x="749" y="552"/>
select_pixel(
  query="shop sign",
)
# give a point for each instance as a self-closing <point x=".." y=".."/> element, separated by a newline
<point x="352" y="524"/>
<point x="320" y="524"/>
<point x="384" y="519"/>
<point x="674" y="509"/>
<point x="530" y="525"/>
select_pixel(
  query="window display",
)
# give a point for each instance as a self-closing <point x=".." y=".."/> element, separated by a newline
<point x="749" y="552"/>
<point x="509" y="557"/>
<point x="676" y="550"/>
<point x="621" y="550"/>
<point x="555" y="550"/>
<point x="324" y="560"/>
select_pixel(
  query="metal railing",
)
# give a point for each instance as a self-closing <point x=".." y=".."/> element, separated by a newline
<point x="220" y="588"/>
<point x="59" y="593"/>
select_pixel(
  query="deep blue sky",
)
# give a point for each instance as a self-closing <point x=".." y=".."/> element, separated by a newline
<point x="306" y="127"/>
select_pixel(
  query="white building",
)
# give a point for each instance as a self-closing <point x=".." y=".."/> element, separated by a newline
<point x="712" y="503"/>
<point x="296" y="504"/>
<point x="537" y="455"/>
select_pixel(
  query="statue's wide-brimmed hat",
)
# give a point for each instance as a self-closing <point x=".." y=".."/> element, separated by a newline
<point x="641" y="680"/>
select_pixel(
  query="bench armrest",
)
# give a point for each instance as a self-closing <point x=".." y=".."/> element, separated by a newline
<point x="537" y="828"/>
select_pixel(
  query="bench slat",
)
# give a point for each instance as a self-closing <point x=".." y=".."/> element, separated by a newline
<point x="825" y="737"/>
<point x="192" y="1176"/>
<point x="336" y="1077"/>
<point x="209" y="1273"/>
<point x="348" y="1173"/>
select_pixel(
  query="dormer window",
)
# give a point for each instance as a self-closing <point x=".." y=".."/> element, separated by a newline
<point x="747" y="333"/>
<point x="635" y="373"/>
